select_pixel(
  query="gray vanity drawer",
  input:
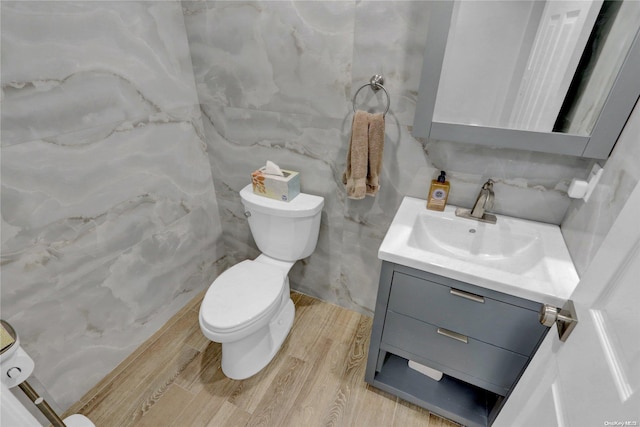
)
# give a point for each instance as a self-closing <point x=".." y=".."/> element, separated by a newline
<point x="482" y="364"/>
<point x="495" y="322"/>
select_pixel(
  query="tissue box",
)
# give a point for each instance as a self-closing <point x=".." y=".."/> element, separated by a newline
<point x="283" y="188"/>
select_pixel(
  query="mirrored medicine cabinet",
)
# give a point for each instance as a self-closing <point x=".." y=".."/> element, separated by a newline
<point x="551" y="76"/>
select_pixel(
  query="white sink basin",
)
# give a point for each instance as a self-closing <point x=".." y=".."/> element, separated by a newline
<point x="519" y="257"/>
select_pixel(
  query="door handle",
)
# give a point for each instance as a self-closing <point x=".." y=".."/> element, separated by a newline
<point x="565" y="318"/>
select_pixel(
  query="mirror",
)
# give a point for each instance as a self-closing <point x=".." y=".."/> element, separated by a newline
<point x="554" y="76"/>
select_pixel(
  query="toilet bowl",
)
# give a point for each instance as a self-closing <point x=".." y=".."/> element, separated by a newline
<point x="248" y="308"/>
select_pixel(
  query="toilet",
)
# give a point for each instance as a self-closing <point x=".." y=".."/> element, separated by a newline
<point x="248" y="308"/>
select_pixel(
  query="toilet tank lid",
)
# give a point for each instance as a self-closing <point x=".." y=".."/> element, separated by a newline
<point x="301" y="205"/>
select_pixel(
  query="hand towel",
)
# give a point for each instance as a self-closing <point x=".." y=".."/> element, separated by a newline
<point x="364" y="158"/>
<point x="376" y="145"/>
<point x="355" y="175"/>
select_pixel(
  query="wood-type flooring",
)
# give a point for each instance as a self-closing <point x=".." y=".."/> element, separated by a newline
<point x="316" y="379"/>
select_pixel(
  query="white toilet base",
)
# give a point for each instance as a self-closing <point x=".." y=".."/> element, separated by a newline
<point x="246" y="357"/>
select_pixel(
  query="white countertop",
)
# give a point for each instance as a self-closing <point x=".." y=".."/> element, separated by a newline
<point x="519" y="257"/>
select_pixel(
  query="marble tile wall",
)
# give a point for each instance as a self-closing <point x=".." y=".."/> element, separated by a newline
<point x="109" y="216"/>
<point x="275" y="81"/>
<point x="587" y="223"/>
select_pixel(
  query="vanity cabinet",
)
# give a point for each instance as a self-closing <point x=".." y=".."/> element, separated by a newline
<point x="482" y="340"/>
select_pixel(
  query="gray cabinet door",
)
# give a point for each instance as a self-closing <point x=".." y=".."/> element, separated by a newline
<point x="487" y="366"/>
<point x="492" y="321"/>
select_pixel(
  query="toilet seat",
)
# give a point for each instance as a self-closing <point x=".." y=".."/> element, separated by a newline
<point x="241" y="296"/>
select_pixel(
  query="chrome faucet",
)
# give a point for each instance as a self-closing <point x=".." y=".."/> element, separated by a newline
<point x="484" y="202"/>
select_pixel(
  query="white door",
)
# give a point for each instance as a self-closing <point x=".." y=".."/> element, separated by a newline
<point x="563" y="32"/>
<point x="592" y="379"/>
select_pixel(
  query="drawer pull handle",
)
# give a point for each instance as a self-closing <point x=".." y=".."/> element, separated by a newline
<point x="466" y="295"/>
<point x="454" y="335"/>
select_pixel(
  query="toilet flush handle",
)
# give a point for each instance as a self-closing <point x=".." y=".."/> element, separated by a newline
<point x="247" y="214"/>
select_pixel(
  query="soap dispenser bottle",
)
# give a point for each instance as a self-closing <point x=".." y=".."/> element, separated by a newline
<point x="438" y="193"/>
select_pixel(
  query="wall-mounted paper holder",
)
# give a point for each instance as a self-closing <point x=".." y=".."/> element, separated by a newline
<point x="580" y="189"/>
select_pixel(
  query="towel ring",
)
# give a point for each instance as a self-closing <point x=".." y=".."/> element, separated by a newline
<point x="375" y="83"/>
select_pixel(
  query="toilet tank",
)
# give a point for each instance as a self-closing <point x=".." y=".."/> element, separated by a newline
<point x="287" y="231"/>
